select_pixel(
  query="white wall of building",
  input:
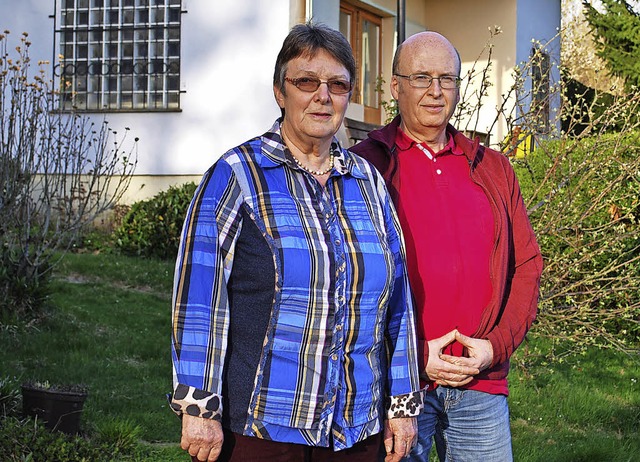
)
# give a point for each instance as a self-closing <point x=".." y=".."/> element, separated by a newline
<point x="229" y="49"/>
<point x="228" y="53"/>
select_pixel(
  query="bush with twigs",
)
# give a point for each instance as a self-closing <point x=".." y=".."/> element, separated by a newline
<point x="59" y="171"/>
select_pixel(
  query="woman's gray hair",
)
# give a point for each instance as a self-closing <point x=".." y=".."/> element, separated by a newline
<point x="307" y="40"/>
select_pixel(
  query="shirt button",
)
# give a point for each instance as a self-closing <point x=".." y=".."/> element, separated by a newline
<point x="334" y="357"/>
<point x="339" y="327"/>
<point x="439" y="171"/>
<point x="338" y="242"/>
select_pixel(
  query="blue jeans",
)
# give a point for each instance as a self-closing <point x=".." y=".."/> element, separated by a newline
<point x="467" y="426"/>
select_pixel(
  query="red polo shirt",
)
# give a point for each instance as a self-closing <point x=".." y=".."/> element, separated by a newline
<point x="449" y="233"/>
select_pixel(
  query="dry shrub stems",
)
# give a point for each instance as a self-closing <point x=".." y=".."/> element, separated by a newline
<point x="58" y="172"/>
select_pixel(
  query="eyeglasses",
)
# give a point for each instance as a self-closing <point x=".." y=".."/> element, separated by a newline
<point x="311" y="84"/>
<point x="448" y="82"/>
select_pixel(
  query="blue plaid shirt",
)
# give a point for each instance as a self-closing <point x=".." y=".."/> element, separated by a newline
<point x="339" y="350"/>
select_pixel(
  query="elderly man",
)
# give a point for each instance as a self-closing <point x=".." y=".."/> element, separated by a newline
<point x="473" y="261"/>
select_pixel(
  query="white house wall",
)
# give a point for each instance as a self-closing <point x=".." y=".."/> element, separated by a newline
<point x="228" y="52"/>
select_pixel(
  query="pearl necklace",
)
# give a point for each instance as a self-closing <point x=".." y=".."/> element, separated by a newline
<point x="315" y="172"/>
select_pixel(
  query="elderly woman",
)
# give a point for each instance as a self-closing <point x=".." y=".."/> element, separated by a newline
<point x="293" y="330"/>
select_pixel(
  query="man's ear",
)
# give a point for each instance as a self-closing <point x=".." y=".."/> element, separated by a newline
<point x="394" y="87"/>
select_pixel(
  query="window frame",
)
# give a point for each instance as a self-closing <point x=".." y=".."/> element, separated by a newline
<point x="358" y="16"/>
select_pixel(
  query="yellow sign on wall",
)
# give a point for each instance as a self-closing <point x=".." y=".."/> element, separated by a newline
<point x="519" y="144"/>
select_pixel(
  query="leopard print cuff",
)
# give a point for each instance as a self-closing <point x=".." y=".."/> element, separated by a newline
<point x="195" y="402"/>
<point x="409" y="405"/>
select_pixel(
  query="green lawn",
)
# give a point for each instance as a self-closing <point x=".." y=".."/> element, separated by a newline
<point x="586" y="409"/>
<point x="111" y="332"/>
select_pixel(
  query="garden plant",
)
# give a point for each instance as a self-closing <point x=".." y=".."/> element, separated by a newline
<point x="59" y="172"/>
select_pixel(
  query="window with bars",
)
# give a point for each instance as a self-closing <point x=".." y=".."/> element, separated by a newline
<point x="120" y="55"/>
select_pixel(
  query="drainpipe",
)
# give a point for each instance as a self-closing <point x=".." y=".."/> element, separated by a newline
<point x="401" y="21"/>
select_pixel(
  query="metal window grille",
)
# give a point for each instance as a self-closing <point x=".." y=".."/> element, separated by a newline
<point x="119" y="55"/>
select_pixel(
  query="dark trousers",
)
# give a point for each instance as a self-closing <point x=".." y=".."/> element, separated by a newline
<point x="239" y="448"/>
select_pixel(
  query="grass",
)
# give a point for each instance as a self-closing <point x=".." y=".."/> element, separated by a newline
<point x="584" y="409"/>
<point x="111" y="331"/>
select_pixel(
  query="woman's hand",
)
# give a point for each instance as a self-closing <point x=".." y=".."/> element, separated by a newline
<point x="400" y="435"/>
<point x="201" y="438"/>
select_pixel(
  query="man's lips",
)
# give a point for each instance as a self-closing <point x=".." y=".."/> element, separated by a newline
<point x="433" y="107"/>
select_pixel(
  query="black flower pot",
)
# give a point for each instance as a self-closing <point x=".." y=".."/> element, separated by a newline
<point x="59" y="408"/>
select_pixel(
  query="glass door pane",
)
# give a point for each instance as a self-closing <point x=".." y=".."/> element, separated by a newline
<point x="370" y="69"/>
<point x="345" y="25"/>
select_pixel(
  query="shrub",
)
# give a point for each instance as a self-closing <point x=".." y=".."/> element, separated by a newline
<point x="9" y="397"/>
<point x="28" y="440"/>
<point x="588" y="104"/>
<point x="24" y="283"/>
<point x="585" y="208"/>
<point x="119" y="436"/>
<point x="59" y="171"/>
<point x="152" y="227"/>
